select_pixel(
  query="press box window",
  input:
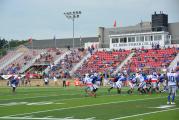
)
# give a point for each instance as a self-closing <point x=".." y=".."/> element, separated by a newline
<point x="148" y="38"/>
<point x="140" y="39"/>
<point x="115" y="40"/>
<point x="131" y="39"/>
<point x="157" y="37"/>
<point x="123" y="40"/>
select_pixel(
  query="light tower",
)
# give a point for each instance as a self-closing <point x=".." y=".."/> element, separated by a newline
<point x="72" y="16"/>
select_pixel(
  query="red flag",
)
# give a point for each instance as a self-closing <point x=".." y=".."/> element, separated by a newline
<point x="30" y="40"/>
<point x="115" y="23"/>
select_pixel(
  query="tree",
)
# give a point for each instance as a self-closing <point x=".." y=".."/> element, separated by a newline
<point x="3" y="43"/>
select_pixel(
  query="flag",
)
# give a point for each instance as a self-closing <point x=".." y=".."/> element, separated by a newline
<point x="115" y="23"/>
<point x="30" y="40"/>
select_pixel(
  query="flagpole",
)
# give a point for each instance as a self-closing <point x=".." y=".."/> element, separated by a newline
<point x="32" y="47"/>
<point x="55" y="43"/>
<point x="54" y="38"/>
<point x="80" y="41"/>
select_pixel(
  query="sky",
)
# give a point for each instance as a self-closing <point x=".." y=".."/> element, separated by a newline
<point x="44" y="19"/>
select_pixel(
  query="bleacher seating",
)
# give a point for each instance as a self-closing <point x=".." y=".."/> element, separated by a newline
<point x="9" y="55"/>
<point x="71" y="59"/>
<point x="151" y="59"/>
<point x="21" y="61"/>
<point x="100" y="61"/>
<point x="103" y="60"/>
<point x="49" y="56"/>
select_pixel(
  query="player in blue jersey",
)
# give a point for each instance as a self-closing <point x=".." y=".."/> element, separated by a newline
<point x="172" y="84"/>
<point x="14" y="83"/>
<point x="162" y="82"/>
<point x="131" y="83"/>
<point x="116" y="82"/>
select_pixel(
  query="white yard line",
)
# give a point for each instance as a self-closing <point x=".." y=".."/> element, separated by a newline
<point x="28" y="97"/>
<point x="83" y="106"/>
<point x="148" y="113"/>
<point x="42" y="118"/>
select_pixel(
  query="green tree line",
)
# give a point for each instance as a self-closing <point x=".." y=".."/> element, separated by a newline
<point x="6" y="45"/>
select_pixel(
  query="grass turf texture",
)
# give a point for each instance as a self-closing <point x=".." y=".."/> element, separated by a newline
<point x="71" y="103"/>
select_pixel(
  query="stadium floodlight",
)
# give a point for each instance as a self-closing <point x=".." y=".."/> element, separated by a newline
<point x="72" y="16"/>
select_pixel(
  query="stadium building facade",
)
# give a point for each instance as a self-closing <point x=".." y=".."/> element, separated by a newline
<point x="61" y="43"/>
<point x="144" y="34"/>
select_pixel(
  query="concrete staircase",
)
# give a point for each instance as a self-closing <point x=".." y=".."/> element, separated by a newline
<point x="123" y="63"/>
<point x="173" y="64"/>
<point x="24" y="68"/>
<point x="80" y="63"/>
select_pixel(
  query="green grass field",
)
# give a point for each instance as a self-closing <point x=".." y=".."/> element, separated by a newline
<point x="52" y="103"/>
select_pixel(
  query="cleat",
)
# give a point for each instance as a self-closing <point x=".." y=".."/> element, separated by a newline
<point x="172" y="103"/>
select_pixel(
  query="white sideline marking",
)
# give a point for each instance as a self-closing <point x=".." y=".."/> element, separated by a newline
<point x="84" y="106"/>
<point x="13" y="103"/>
<point x="29" y="103"/>
<point x="46" y="118"/>
<point x="28" y="97"/>
<point x="69" y="117"/>
<point x="164" y="106"/>
<point x="59" y="103"/>
<point x="29" y="116"/>
<point x="40" y="103"/>
<point x="43" y="118"/>
<point x="148" y="113"/>
<point x="92" y="118"/>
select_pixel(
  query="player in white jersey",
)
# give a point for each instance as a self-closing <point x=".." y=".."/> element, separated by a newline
<point x="172" y="84"/>
<point x="154" y="81"/>
<point x="88" y="83"/>
<point x="91" y="88"/>
<point x="142" y="83"/>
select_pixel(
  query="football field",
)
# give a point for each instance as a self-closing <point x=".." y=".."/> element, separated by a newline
<point x="71" y="103"/>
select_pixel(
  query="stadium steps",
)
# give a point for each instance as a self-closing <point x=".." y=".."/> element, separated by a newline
<point x="6" y="57"/>
<point x="62" y="57"/>
<point x="24" y="68"/>
<point x="57" y="60"/>
<point x="123" y="63"/>
<point x="173" y="64"/>
<point x="80" y="63"/>
<point x="9" y="61"/>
